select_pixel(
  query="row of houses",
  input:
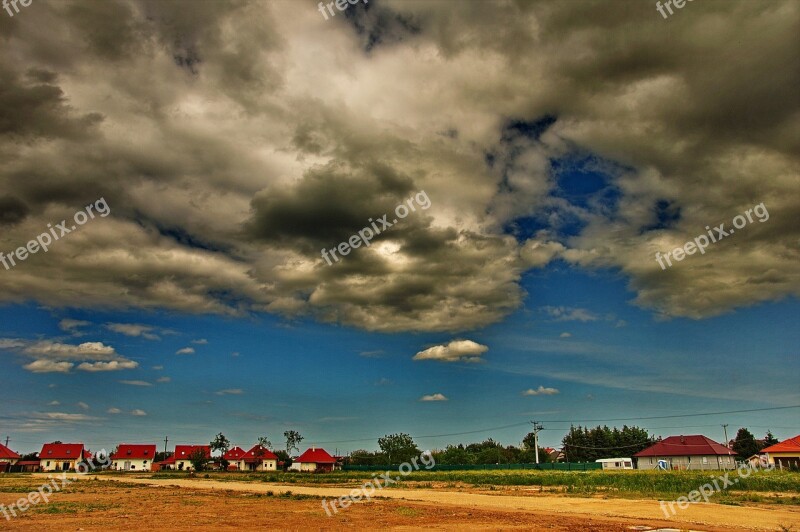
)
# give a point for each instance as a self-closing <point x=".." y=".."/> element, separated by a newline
<point x="698" y="452"/>
<point x="694" y="452"/>
<point x="142" y="457"/>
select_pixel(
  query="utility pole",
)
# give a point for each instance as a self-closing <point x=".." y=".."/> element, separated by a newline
<point x="725" y="428"/>
<point x="166" y="439"/>
<point x="7" y="438"/>
<point x="536" y="428"/>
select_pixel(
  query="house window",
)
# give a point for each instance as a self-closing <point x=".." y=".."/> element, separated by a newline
<point x="48" y="463"/>
<point x="705" y="459"/>
<point x="651" y="460"/>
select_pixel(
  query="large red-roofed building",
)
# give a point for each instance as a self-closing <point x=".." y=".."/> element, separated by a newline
<point x="7" y="458"/>
<point x="314" y="460"/>
<point x="62" y="456"/>
<point x="133" y="457"/>
<point x="785" y="453"/>
<point x="695" y="452"/>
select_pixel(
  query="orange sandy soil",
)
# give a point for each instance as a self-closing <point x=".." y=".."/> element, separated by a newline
<point x="114" y="503"/>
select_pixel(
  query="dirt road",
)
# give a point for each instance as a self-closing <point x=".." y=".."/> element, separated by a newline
<point x="699" y="516"/>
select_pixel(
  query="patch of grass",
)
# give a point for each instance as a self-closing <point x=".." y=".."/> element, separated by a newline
<point x="405" y="511"/>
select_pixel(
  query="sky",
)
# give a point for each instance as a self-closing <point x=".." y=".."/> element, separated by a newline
<point x="202" y="155"/>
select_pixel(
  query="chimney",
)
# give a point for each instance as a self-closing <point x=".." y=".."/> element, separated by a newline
<point x="313" y="449"/>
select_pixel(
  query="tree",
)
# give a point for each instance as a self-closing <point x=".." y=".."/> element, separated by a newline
<point x="745" y="444"/>
<point x="263" y="441"/>
<point x="398" y="447"/>
<point x="284" y="457"/>
<point x="582" y="444"/>
<point x="293" y="439"/>
<point x="220" y="444"/>
<point x="199" y="459"/>
<point x="769" y="439"/>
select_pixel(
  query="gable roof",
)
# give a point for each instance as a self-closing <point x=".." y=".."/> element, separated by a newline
<point x="62" y="451"/>
<point x="237" y="453"/>
<point x="792" y="445"/>
<point x="134" y="452"/>
<point x="183" y="452"/>
<point x="266" y="454"/>
<point x="316" y="456"/>
<point x="7" y="454"/>
<point x="694" y="445"/>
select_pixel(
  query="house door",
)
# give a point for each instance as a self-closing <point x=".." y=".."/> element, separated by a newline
<point x="127" y="466"/>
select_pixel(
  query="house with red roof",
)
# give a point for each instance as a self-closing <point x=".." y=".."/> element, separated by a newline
<point x="234" y="456"/>
<point x="784" y="454"/>
<point x="181" y="460"/>
<point x="62" y="456"/>
<point x="314" y="460"/>
<point x="259" y="459"/>
<point x="7" y="458"/>
<point x="695" y="452"/>
<point x="133" y="457"/>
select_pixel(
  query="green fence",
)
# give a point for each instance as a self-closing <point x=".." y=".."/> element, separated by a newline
<point x="557" y="466"/>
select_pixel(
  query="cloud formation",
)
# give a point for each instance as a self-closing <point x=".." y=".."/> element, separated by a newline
<point x="49" y="356"/>
<point x="228" y="176"/>
<point x="433" y="397"/>
<point x="541" y="390"/>
<point x="455" y="351"/>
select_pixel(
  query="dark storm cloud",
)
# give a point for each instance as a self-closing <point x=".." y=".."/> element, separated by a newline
<point x="234" y="139"/>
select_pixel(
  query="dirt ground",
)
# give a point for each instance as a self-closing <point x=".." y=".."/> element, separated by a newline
<point x="127" y="503"/>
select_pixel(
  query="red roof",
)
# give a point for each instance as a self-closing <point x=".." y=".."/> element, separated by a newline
<point x="62" y="451"/>
<point x="7" y="454"/>
<point x="134" y="452"/>
<point x="265" y="454"/>
<point x="316" y="456"/>
<point x="792" y="445"/>
<point x="183" y="452"/>
<point x="695" y="445"/>
<point x="234" y="454"/>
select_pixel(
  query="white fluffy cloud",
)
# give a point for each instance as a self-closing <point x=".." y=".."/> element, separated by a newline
<point x="433" y="397"/>
<point x="57" y="357"/>
<point x="541" y="390"/>
<point x="455" y="351"/>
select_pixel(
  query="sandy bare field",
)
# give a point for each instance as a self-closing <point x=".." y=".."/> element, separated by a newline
<point x="128" y="503"/>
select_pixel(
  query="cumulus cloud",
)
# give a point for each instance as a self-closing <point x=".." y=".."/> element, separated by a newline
<point x="201" y="341"/>
<point x="243" y="169"/>
<point x="455" y="351"/>
<point x="56" y="357"/>
<point x="132" y="329"/>
<point x="433" y="397"/>
<point x="114" y="410"/>
<point x="136" y="383"/>
<point x="163" y="379"/>
<point x="565" y="335"/>
<point x="185" y="351"/>
<point x="541" y="390"/>
<point x="138" y="412"/>
<point x="83" y="405"/>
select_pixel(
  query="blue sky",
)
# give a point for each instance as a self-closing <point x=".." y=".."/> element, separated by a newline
<point x="263" y="375"/>
<point x="558" y="157"/>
